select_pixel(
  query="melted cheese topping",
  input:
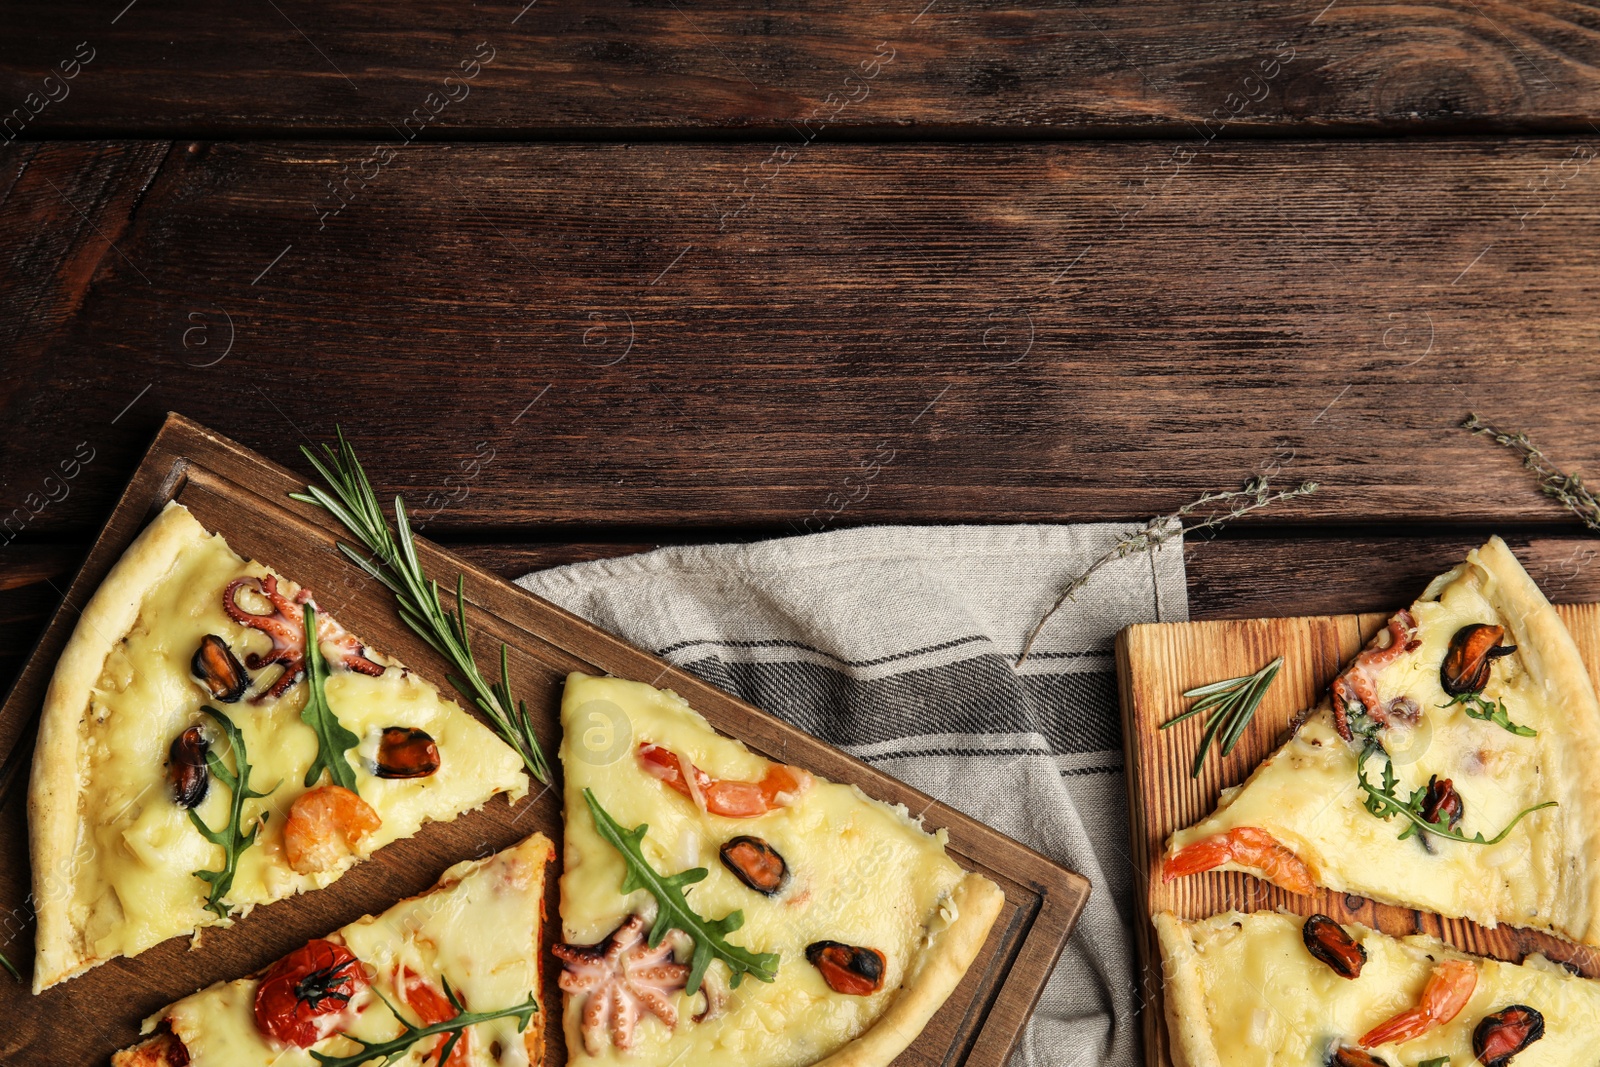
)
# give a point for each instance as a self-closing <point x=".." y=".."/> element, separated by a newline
<point x="861" y="872"/>
<point x="133" y="885"/>
<point x="1306" y="795"/>
<point x="1271" y="1004"/>
<point x="479" y="930"/>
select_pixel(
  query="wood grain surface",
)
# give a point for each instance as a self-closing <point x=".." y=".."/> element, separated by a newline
<point x="538" y="335"/>
<point x="235" y="493"/>
<point x="792" y="69"/>
<point x="1155" y="664"/>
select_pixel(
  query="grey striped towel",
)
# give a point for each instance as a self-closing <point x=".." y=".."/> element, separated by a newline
<point x="897" y="644"/>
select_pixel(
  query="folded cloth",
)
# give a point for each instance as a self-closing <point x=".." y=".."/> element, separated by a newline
<point x="896" y="644"/>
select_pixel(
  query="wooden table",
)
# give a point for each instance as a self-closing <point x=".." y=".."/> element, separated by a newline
<point x="580" y="279"/>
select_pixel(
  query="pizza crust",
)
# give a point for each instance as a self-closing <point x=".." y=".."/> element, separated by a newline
<point x="1189" y="1038"/>
<point x="57" y="775"/>
<point x="937" y="973"/>
<point x="1551" y="658"/>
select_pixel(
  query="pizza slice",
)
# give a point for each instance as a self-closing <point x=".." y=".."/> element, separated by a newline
<point x="1451" y="769"/>
<point x="449" y="978"/>
<point x="195" y="758"/>
<point x="1261" y="989"/>
<point x="718" y="907"/>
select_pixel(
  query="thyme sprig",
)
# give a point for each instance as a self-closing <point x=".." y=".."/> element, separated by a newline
<point x="1479" y="707"/>
<point x="1553" y="481"/>
<point x="673" y="910"/>
<point x="1232" y="704"/>
<point x="333" y="739"/>
<point x="392" y="560"/>
<point x="393" y="1049"/>
<point x="232" y="838"/>
<point x="1388" y="799"/>
<point x="1221" y="507"/>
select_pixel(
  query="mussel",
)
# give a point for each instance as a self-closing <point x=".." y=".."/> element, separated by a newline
<point x="216" y="667"/>
<point x="847" y="969"/>
<point x="1472" y="652"/>
<point x="1328" y="942"/>
<point x="1505" y="1033"/>
<point x="407" y="752"/>
<point x="755" y="863"/>
<point x="1345" y="1056"/>
<point x="1441" y="804"/>
<point x="186" y="767"/>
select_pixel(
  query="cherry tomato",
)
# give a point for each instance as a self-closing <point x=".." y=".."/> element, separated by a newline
<point x="302" y="996"/>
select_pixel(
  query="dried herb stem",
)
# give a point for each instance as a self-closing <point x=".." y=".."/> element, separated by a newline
<point x="1553" y="481"/>
<point x="1223" y="507"/>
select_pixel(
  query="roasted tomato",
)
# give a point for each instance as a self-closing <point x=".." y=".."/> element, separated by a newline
<point x="432" y="1006"/>
<point x="847" y="969"/>
<point x="302" y="997"/>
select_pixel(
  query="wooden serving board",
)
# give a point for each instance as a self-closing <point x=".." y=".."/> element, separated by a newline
<point x="235" y="492"/>
<point x="1155" y="664"/>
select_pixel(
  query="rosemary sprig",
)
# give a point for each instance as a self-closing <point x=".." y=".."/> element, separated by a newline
<point x="1553" y="481"/>
<point x="233" y="838"/>
<point x="389" y="1051"/>
<point x="1223" y="507"/>
<point x="393" y="561"/>
<point x="8" y="965"/>
<point x="333" y="739"/>
<point x="673" y="910"/>
<point x="1388" y="799"/>
<point x="1232" y="704"/>
<point x="1479" y="707"/>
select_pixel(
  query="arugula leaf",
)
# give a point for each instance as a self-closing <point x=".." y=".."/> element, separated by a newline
<point x="232" y="838"/>
<point x="395" y="1048"/>
<point x="1484" y="710"/>
<point x="1388" y="799"/>
<point x="333" y="740"/>
<point x="1437" y="1061"/>
<point x="674" y="912"/>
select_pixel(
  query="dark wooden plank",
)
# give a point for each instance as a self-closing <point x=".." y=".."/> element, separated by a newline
<point x="527" y="335"/>
<point x="791" y="68"/>
<point x="245" y="498"/>
<point x="1306" y="574"/>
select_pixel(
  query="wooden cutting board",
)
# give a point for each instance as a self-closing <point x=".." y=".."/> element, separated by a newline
<point x="1155" y="663"/>
<point x="240" y="495"/>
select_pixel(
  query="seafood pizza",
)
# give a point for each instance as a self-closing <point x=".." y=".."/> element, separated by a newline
<point x="198" y="755"/>
<point x="717" y="907"/>
<point x="1452" y="769"/>
<point x="450" y="978"/>
<point x="1268" y="989"/>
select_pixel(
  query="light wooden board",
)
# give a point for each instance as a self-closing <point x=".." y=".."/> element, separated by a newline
<point x="1155" y="664"/>
<point x="236" y="493"/>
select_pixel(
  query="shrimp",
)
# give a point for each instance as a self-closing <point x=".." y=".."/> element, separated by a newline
<point x="735" y="800"/>
<point x="324" y="826"/>
<point x="1248" y="847"/>
<point x="1449" y="988"/>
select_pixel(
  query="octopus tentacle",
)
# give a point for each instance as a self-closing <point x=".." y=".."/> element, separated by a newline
<point x="1358" y="684"/>
<point x="284" y="625"/>
<point x="620" y="976"/>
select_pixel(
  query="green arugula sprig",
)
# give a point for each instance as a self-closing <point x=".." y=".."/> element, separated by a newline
<point x="1232" y="704"/>
<point x="333" y="739"/>
<point x="1388" y="799"/>
<point x="395" y="1048"/>
<point x="1479" y="707"/>
<point x="393" y="561"/>
<point x="233" y="838"/>
<point x="673" y="910"/>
